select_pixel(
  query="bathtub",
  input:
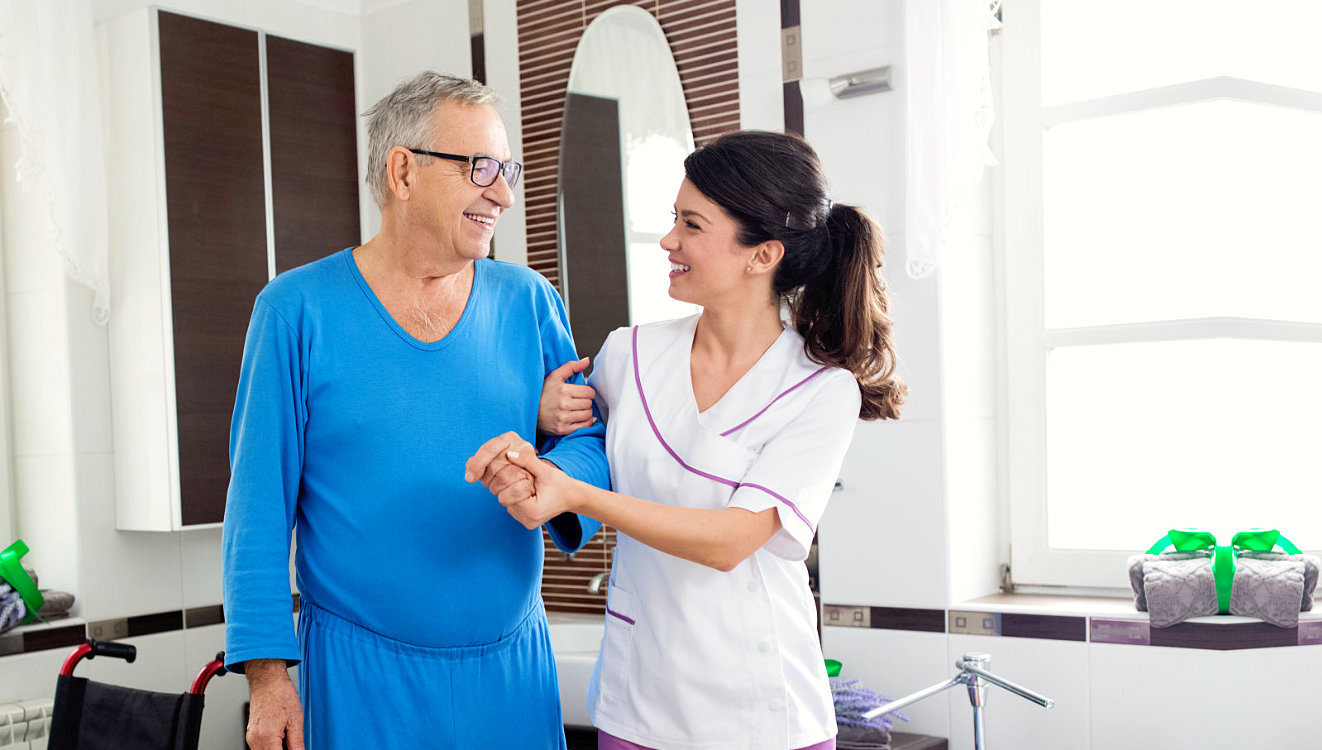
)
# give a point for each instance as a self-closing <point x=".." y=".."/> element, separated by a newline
<point x="575" y="639"/>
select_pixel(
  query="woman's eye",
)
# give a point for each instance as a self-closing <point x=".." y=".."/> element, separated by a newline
<point x="691" y="225"/>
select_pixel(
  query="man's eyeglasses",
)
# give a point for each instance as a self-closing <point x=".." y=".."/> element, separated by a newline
<point x="485" y="168"/>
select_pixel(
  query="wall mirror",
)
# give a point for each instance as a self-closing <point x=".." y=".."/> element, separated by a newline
<point x="623" y="141"/>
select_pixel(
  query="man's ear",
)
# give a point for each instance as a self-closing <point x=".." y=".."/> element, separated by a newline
<point x="401" y="172"/>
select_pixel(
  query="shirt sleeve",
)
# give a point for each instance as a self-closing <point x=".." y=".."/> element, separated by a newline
<point x="580" y="454"/>
<point x="605" y="375"/>
<point x="266" y="458"/>
<point x="797" y="469"/>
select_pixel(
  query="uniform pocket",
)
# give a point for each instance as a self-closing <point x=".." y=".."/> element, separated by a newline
<point x="617" y="643"/>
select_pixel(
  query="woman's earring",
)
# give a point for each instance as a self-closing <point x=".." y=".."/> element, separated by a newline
<point x="750" y="269"/>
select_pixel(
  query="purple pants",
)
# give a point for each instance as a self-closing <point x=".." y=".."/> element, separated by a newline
<point x="611" y="742"/>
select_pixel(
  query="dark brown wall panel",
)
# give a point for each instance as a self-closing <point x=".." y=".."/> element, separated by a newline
<point x="216" y="207"/>
<point x="314" y="150"/>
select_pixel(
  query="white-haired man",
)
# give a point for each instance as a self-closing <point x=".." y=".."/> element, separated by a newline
<point x="368" y="378"/>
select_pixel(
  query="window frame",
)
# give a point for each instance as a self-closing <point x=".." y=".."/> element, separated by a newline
<point x="1026" y="339"/>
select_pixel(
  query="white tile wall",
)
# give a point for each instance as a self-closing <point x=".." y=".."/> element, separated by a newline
<point x="127" y="572"/>
<point x="969" y="335"/>
<point x="89" y="382"/>
<point x="1158" y="697"/>
<point x="973" y="536"/>
<point x="882" y="540"/>
<point x="44" y="491"/>
<point x="41" y="417"/>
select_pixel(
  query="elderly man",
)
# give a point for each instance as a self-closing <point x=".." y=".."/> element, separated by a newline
<point x="368" y="378"/>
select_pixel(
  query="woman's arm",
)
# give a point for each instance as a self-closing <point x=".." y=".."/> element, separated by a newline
<point x="719" y="539"/>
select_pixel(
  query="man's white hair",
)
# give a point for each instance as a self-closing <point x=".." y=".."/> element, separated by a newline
<point x="406" y="115"/>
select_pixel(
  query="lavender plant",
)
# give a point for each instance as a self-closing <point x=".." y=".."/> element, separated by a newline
<point x="852" y="701"/>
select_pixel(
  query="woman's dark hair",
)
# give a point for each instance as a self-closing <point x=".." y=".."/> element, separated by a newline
<point x="772" y="185"/>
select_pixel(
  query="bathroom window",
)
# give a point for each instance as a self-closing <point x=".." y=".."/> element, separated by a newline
<point x="1161" y="170"/>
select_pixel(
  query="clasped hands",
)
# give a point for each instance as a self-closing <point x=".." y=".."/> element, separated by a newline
<point x="529" y="488"/>
<point x="532" y="490"/>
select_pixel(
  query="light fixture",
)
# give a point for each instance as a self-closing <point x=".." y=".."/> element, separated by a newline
<point x="862" y="82"/>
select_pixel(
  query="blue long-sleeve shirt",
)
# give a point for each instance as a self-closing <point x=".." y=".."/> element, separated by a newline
<point x="355" y="433"/>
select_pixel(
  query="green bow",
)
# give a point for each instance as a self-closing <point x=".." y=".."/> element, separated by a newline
<point x="12" y="572"/>
<point x="1223" y="555"/>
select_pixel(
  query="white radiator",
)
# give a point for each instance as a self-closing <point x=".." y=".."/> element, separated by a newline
<point x="25" y="725"/>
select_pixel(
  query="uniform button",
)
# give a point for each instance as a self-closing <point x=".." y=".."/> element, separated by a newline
<point x="764" y="647"/>
<point x="752" y="586"/>
<point x="774" y="706"/>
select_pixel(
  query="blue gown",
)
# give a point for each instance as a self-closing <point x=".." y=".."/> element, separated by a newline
<point x="421" y="622"/>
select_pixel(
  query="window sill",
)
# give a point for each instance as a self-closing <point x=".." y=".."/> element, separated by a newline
<point x="1083" y="619"/>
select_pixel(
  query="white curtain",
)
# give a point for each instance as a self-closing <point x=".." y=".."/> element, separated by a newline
<point x="49" y="81"/>
<point x="949" y="116"/>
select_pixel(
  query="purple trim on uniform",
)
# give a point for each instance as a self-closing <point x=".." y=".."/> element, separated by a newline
<point x="786" y="392"/>
<point x="647" y="411"/>
<point x="783" y="499"/>
<point x="613" y="613"/>
<point x="608" y="741"/>
<point x="728" y="482"/>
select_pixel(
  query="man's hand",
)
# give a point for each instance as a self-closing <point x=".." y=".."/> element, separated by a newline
<point x="565" y="407"/>
<point x="550" y="497"/>
<point x="497" y="474"/>
<point x="274" y="711"/>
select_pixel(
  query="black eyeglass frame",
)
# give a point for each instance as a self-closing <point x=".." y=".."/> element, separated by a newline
<point x="473" y="160"/>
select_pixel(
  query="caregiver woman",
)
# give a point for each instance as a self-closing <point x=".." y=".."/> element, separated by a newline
<point x="725" y="433"/>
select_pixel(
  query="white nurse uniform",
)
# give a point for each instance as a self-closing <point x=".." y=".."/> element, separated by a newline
<point x="694" y="657"/>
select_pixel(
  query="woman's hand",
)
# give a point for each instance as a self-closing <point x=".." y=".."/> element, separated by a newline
<point x="565" y="407"/>
<point x="551" y="494"/>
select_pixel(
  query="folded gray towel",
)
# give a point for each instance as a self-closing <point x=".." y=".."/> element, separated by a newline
<point x="57" y="604"/>
<point x="853" y="737"/>
<point x="1174" y="586"/>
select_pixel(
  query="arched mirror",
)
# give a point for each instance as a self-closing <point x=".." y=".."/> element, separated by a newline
<point x="623" y="141"/>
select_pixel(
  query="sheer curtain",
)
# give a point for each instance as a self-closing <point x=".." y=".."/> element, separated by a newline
<point x="949" y="116"/>
<point x="48" y="78"/>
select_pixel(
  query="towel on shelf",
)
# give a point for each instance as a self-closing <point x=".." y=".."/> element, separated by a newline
<point x="1175" y="586"/>
<point x="1273" y="587"/>
<point x="854" y="737"/>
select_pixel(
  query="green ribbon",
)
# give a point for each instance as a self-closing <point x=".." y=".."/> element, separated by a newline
<point x="1223" y="555"/>
<point x="11" y="570"/>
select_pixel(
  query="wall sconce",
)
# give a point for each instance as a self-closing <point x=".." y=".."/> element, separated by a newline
<point x="817" y="92"/>
<point x="862" y="82"/>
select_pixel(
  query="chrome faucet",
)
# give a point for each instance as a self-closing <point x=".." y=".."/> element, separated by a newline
<point x="595" y="585"/>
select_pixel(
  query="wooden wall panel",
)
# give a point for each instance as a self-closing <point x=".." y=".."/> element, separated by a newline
<point x="314" y="150"/>
<point x="702" y="38"/>
<point x="216" y="206"/>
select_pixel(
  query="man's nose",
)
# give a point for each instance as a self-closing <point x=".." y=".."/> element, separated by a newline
<point x="500" y="192"/>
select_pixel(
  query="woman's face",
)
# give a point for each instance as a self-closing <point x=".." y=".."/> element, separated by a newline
<point x="707" y="264"/>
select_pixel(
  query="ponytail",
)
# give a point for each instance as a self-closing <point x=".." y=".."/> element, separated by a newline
<point x="843" y="313"/>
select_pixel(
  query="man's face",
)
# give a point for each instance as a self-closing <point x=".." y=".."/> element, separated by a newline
<point x="459" y="214"/>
